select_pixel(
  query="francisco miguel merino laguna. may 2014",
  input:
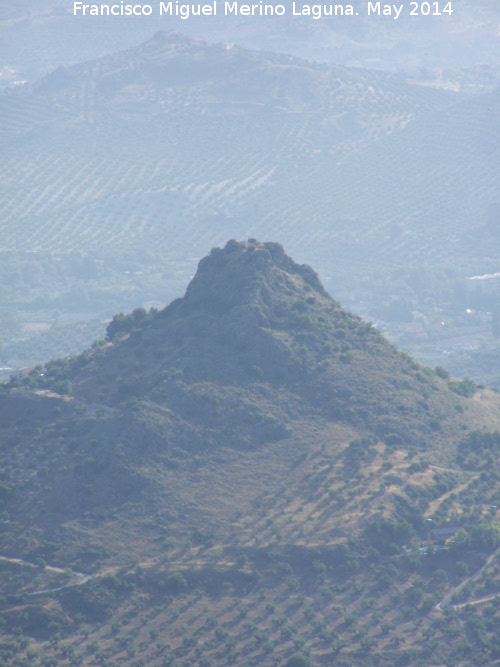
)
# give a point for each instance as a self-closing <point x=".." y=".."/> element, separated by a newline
<point x="175" y="8"/>
<point x="316" y="11"/>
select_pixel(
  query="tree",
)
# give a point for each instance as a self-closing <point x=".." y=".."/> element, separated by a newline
<point x="485" y="537"/>
<point x="176" y="582"/>
<point x="63" y="387"/>
<point x="459" y="541"/>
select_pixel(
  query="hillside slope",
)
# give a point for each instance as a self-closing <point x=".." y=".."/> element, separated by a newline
<point x="252" y="468"/>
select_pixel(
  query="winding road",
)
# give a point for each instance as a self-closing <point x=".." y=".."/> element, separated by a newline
<point x="445" y="602"/>
<point x="78" y="578"/>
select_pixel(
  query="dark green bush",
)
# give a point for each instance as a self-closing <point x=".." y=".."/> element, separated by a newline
<point x="299" y="660"/>
<point x="465" y="388"/>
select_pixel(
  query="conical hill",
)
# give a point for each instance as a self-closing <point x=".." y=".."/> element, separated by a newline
<point x="252" y="320"/>
<point x="256" y="384"/>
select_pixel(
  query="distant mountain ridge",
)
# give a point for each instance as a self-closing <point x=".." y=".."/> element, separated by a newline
<point x="148" y="145"/>
<point x="30" y="45"/>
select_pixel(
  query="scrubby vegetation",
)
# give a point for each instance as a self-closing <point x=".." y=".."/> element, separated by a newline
<point x="173" y="505"/>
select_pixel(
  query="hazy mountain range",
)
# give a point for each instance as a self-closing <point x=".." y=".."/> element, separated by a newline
<point x="159" y="152"/>
<point x="37" y="37"/>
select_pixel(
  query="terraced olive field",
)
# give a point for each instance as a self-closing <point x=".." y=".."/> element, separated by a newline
<point x="180" y="504"/>
<point x="179" y="145"/>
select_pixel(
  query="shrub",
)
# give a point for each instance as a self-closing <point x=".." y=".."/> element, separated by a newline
<point x="442" y="372"/>
<point x="122" y="324"/>
<point x="62" y="387"/>
<point x="464" y="388"/>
